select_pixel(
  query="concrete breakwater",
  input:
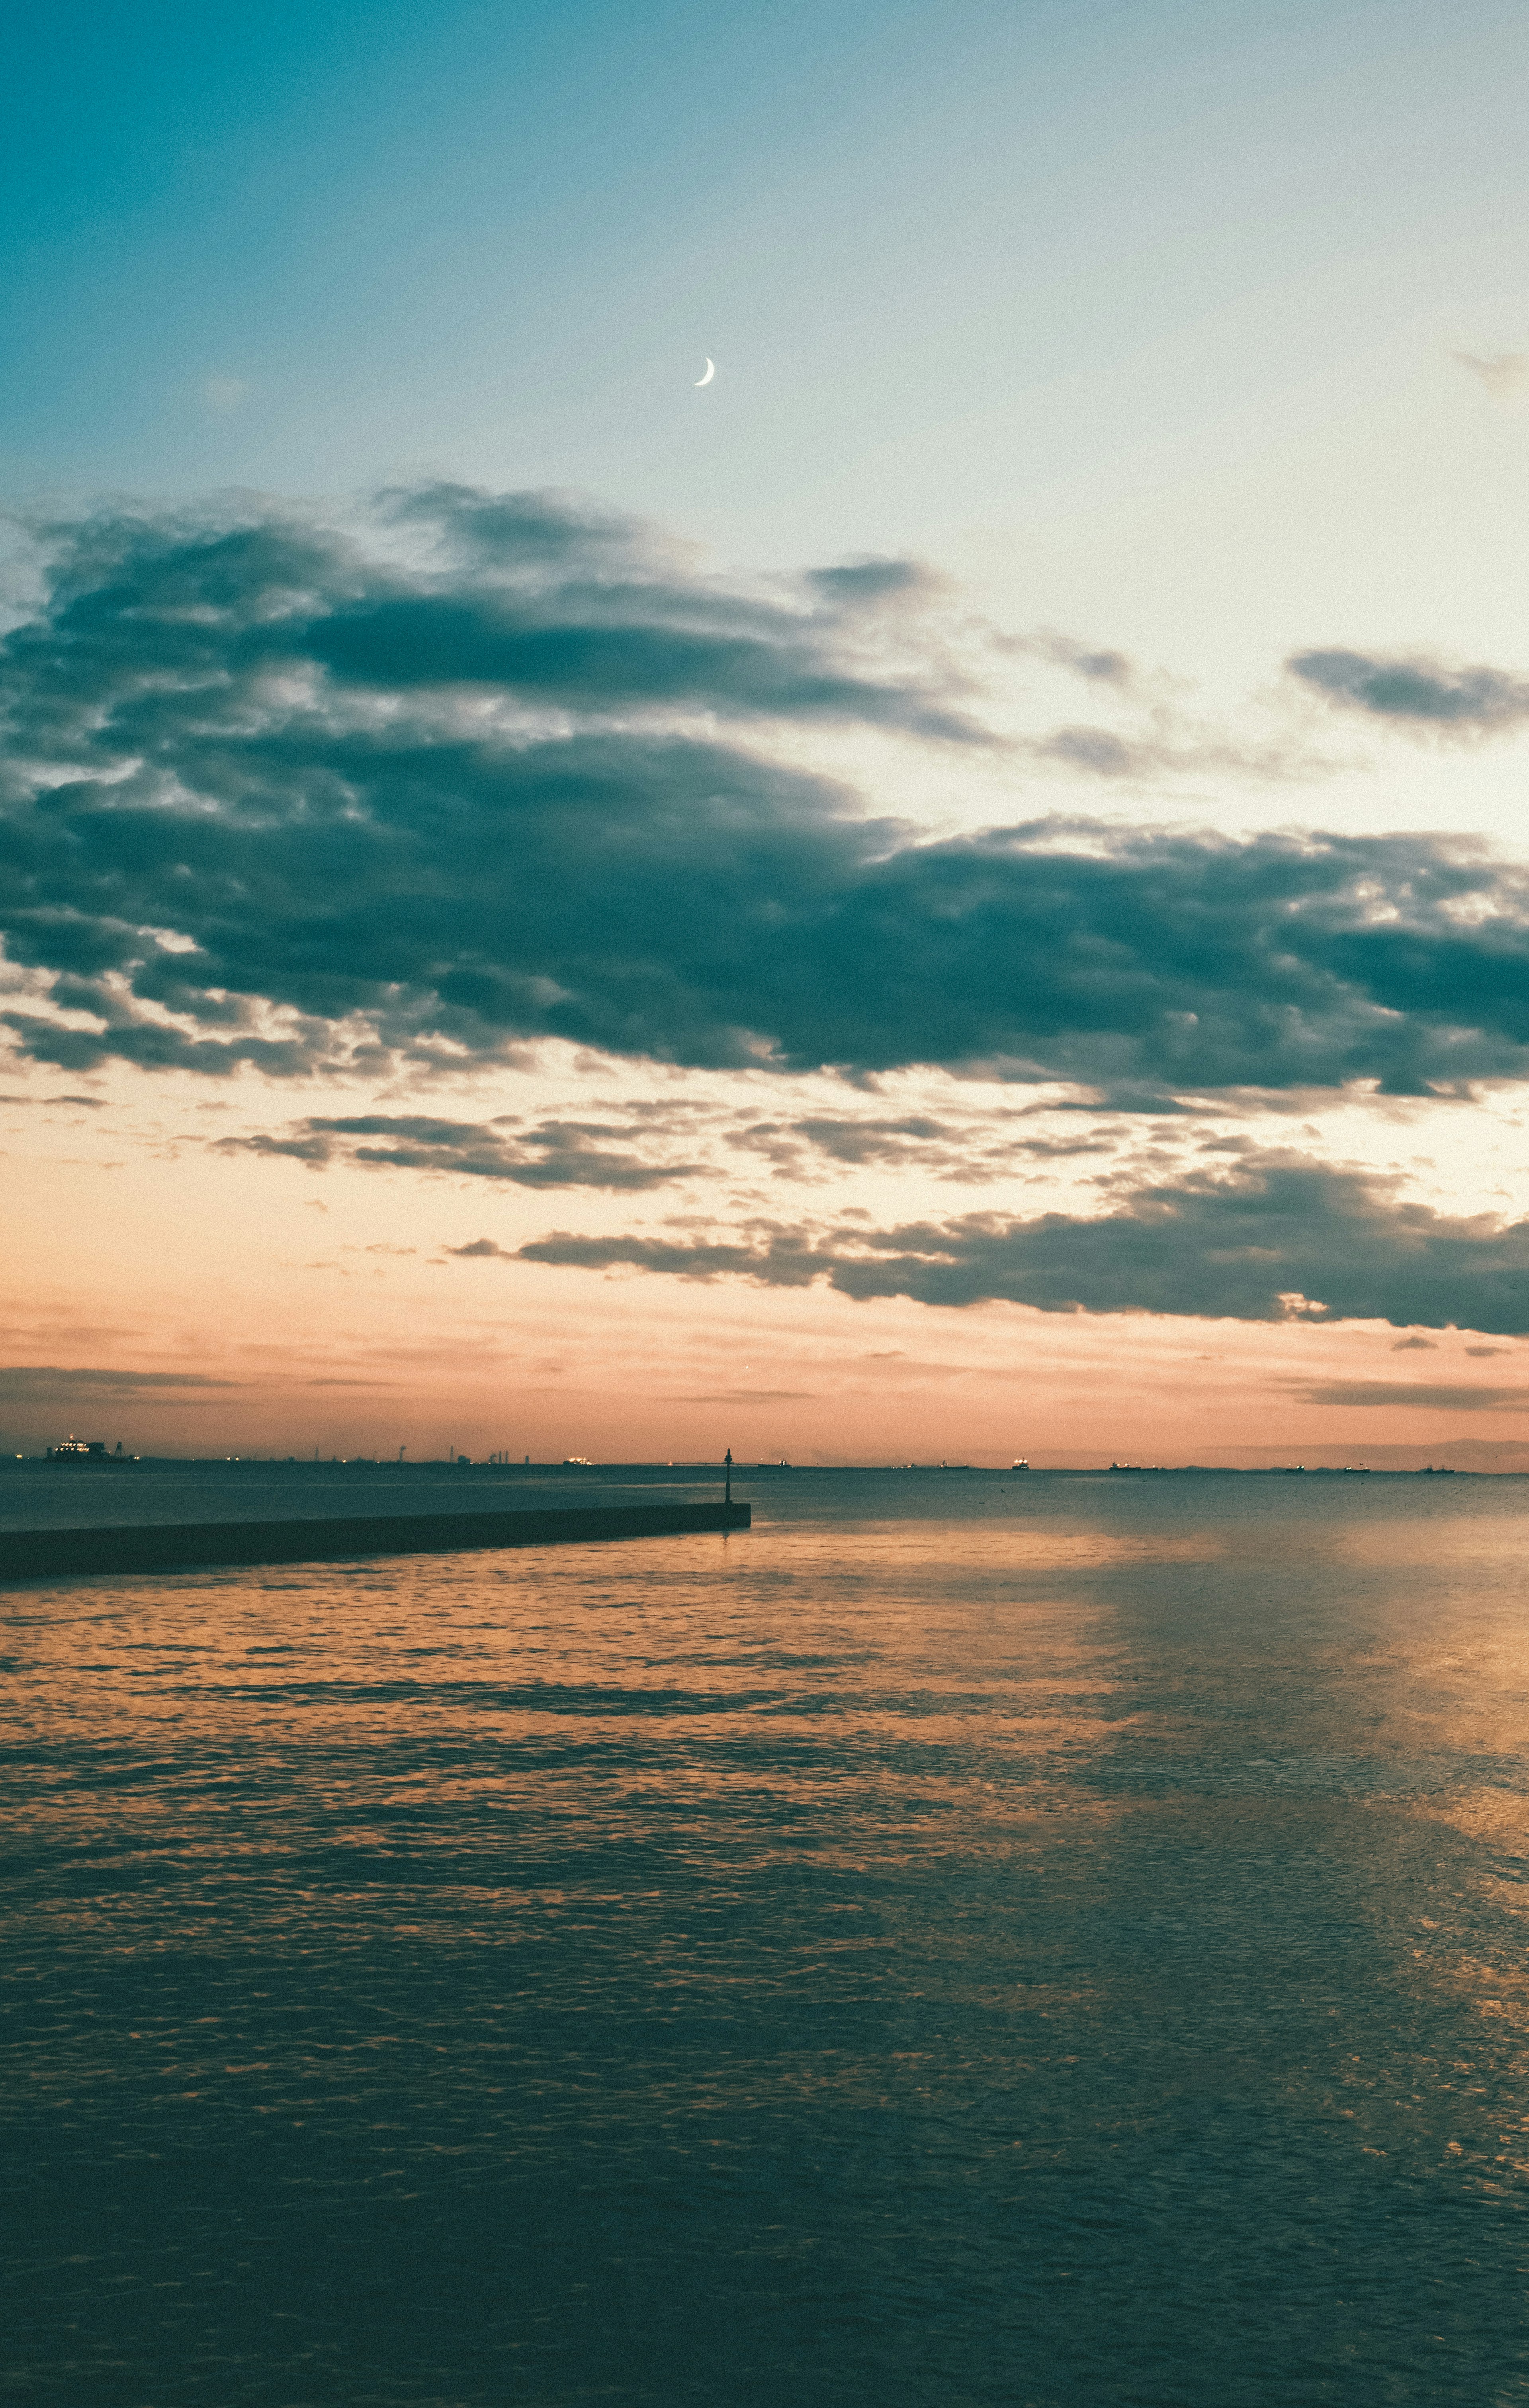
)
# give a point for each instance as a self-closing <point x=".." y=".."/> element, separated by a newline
<point x="192" y="1546"/>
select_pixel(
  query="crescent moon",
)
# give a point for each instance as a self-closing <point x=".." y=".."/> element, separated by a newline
<point x="711" y="370"/>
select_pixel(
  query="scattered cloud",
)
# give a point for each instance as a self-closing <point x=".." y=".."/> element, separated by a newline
<point x="272" y="795"/>
<point x="1412" y="1345"/>
<point x="1504" y="374"/>
<point x="966" y="1147"/>
<point x="857" y="1142"/>
<point x="1166" y="746"/>
<point x="1097" y="662"/>
<point x="1277" y="1237"/>
<point x="1420" y="692"/>
<point x="557" y="1153"/>
<point x="872" y="586"/>
<point x="1097" y="750"/>
<point x="634" y="1150"/>
<point x="861" y="1142"/>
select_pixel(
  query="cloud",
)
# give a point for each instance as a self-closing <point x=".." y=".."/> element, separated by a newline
<point x="915" y="1139"/>
<point x="437" y="639"/>
<point x="557" y="1153"/>
<point x="1094" y="662"/>
<point x="968" y="1149"/>
<point x="276" y="796"/>
<point x="1277" y="1237"/>
<point x="857" y="587"/>
<point x="26" y="1384"/>
<point x="1435" y="1397"/>
<point x="1097" y="750"/>
<point x="871" y="1141"/>
<point x="1505" y="375"/>
<point x="751" y="1397"/>
<point x="1415" y="1345"/>
<point x="1168" y="747"/>
<point x="634" y="1152"/>
<point x="1422" y="693"/>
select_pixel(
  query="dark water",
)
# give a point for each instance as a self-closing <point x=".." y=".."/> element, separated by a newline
<point x="70" y="1495"/>
<point x="964" y="1940"/>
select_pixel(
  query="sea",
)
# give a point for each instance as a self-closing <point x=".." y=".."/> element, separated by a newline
<point x="972" y="1940"/>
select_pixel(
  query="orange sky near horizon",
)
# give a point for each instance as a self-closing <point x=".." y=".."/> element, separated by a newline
<point x="237" y="1305"/>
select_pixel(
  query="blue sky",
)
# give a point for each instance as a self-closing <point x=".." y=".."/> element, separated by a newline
<point x="947" y="258"/>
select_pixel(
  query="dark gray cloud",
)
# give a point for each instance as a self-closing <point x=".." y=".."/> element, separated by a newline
<point x="1422" y="692"/>
<point x="915" y="1139"/>
<point x="1438" y="1396"/>
<point x="611" y="663"/>
<point x="28" y="1383"/>
<point x="1275" y="1238"/>
<point x="268" y="796"/>
<point x="872" y="1140"/>
<point x="554" y="1153"/>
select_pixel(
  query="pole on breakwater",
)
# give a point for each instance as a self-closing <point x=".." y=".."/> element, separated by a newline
<point x="728" y="1492"/>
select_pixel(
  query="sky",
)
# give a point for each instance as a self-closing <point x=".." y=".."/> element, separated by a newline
<point x="957" y="891"/>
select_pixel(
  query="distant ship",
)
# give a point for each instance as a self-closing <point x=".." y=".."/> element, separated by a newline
<point x="1020" y="1463"/>
<point x="87" y="1450"/>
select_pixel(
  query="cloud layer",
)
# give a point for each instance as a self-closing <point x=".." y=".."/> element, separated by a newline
<point x="646" y="1145"/>
<point x="1277" y="1237"/>
<point x="506" y="770"/>
<point x="1434" y="1396"/>
<point x="51" y="1383"/>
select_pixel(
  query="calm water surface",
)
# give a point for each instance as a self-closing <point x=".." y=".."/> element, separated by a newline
<point x="964" y="1940"/>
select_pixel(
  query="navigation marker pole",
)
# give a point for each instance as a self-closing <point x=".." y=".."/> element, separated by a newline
<point x="727" y="1493"/>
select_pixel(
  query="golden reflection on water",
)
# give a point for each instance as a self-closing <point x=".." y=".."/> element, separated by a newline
<point x="1129" y="1886"/>
<point x="882" y="1693"/>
